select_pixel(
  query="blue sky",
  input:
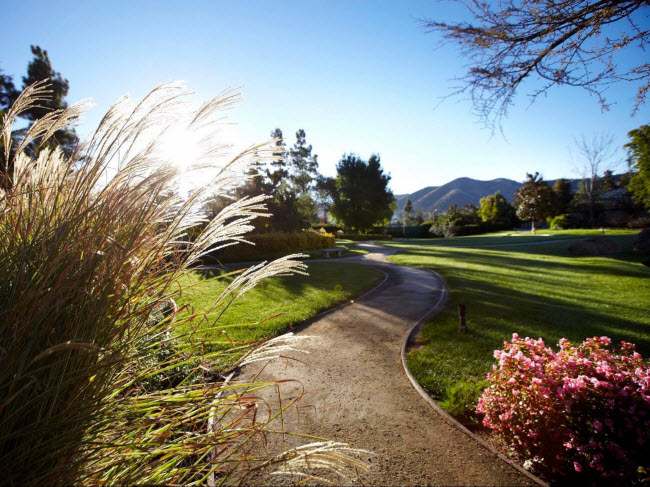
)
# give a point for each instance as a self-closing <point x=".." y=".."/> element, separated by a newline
<point x="358" y="76"/>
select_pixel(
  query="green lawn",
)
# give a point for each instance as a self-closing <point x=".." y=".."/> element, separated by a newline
<point x="534" y="290"/>
<point x="511" y="237"/>
<point x="273" y="307"/>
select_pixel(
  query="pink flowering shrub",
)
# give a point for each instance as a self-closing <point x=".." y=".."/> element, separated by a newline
<point x="584" y="409"/>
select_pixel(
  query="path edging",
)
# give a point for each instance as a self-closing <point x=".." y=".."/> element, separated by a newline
<point x="445" y="415"/>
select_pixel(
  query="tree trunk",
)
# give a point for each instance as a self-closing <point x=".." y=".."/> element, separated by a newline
<point x="532" y="226"/>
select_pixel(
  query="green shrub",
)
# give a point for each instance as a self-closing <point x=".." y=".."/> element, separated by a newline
<point x="329" y="228"/>
<point x="417" y="231"/>
<point x="461" y="398"/>
<point x="560" y="222"/>
<point x="639" y="222"/>
<point x="472" y="229"/>
<point x="367" y="236"/>
<point x="442" y="228"/>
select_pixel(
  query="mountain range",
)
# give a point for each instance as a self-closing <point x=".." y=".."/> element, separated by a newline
<point x="460" y="192"/>
<point x="464" y="191"/>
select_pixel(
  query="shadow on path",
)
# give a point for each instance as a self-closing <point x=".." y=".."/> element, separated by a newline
<point x="357" y="392"/>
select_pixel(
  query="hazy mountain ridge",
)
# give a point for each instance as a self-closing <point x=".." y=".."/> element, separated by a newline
<point x="461" y="191"/>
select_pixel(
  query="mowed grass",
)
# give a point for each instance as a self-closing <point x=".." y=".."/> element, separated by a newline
<point x="271" y="308"/>
<point x="514" y="237"/>
<point x="534" y="290"/>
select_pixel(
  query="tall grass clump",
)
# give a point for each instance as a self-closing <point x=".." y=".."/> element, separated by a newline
<point x="97" y="383"/>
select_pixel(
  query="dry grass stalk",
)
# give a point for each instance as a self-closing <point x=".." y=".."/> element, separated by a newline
<point x="91" y="248"/>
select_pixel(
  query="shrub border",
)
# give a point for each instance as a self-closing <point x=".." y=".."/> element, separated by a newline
<point x="410" y="335"/>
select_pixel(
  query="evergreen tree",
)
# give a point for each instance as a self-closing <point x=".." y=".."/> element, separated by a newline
<point x="419" y="217"/>
<point x="408" y="214"/>
<point x="562" y="196"/>
<point x="363" y="198"/>
<point x="39" y="69"/>
<point x="8" y="95"/>
<point x="278" y="171"/>
<point x="607" y="182"/>
<point x="303" y="174"/>
<point x="325" y="192"/>
<point x="8" y="92"/>
<point x="638" y="151"/>
<point x="304" y="165"/>
<point x="534" y="200"/>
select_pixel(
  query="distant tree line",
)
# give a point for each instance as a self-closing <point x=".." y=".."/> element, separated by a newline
<point x="357" y="198"/>
<point x="609" y="202"/>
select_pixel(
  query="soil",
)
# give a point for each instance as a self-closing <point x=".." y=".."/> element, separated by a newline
<point x="354" y="390"/>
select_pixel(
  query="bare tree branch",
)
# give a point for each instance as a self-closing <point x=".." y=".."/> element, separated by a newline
<point x="565" y="42"/>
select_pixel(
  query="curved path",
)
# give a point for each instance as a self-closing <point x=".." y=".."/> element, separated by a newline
<point x="356" y="390"/>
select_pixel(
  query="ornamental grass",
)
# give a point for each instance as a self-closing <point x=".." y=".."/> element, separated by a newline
<point x="98" y="384"/>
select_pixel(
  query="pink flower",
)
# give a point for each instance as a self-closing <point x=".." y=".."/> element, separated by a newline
<point x="558" y="406"/>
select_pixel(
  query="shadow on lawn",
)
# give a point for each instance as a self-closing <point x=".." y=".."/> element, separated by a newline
<point x="495" y="318"/>
<point x="558" y="308"/>
<point x="515" y="258"/>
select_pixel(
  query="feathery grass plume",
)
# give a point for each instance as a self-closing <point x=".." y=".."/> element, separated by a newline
<point x="91" y="249"/>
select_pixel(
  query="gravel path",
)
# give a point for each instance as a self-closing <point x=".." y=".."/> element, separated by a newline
<point x="355" y="390"/>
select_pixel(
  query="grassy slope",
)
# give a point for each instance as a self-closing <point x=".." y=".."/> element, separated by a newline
<point x="510" y="237"/>
<point x="281" y="301"/>
<point x="536" y="291"/>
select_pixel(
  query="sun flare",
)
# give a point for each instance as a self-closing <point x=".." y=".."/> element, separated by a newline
<point x="181" y="147"/>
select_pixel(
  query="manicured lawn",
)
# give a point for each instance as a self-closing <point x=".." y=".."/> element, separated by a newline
<point x="273" y="307"/>
<point x="536" y="291"/>
<point x="511" y="237"/>
<point x="350" y="248"/>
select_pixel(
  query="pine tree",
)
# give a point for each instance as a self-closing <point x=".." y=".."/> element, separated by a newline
<point x="304" y="165"/>
<point x="8" y="92"/>
<point x="39" y="69"/>
<point x="408" y="214"/>
<point x="562" y="195"/>
<point x="303" y="174"/>
<point x="607" y="182"/>
<point x="278" y="171"/>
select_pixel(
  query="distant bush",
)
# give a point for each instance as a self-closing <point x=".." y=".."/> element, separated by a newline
<point x="443" y="228"/>
<point x="583" y="410"/>
<point x="396" y="232"/>
<point x="616" y="220"/>
<point x="472" y="229"/>
<point x="367" y="236"/>
<point x="641" y="222"/>
<point x="410" y="231"/>
<point x="417" y="231"/>
<point x="328" y="228"/>
<point x="454" y="229"/>
<point x="560" y="222"/>
<point x="271" y="245"/>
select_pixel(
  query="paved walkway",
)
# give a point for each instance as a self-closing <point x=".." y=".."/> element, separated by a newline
<point x="356" y="391"/>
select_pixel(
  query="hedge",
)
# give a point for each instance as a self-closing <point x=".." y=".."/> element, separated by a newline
<point x="367" y="236"/>
<point x="270" y="246"/>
